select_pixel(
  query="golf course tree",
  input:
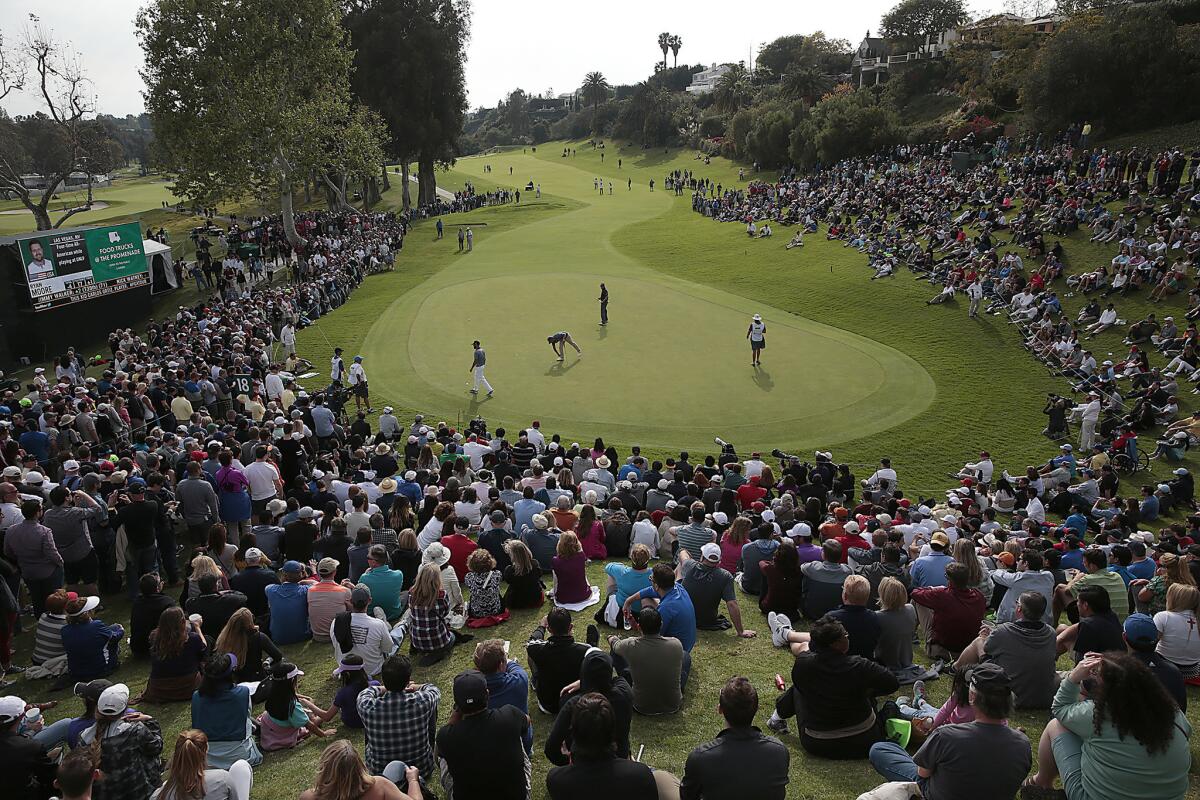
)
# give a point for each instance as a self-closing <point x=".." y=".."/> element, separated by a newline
<point x="245" y="94"/>
<point x="911" y="21"/>
<point x="595" y="91"/>
<point x="408" y="67"/>
<point x="733" y="90"/>
<point x="60" y="138"/>
<point x="800" y="52"/>
<point x="516" y="112"/>
<point x="664" y="44"/>
<point x="675" y="43"/>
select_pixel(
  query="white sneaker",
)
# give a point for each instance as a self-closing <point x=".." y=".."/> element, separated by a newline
<point x="779" y="625"/>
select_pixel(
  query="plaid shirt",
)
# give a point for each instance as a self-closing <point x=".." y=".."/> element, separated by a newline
<point x="386" y="537"/>
<point x="429" y="631"/>
<point x="400" y="726"/>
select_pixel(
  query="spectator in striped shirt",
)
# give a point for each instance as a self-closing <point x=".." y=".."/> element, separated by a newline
<point x="47" y="642"/>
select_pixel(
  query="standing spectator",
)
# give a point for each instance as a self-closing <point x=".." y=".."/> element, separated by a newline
<point x="140" y="517"/>
<point x="28" y="770"/>
<point x="264" y="481"/>
<point x="502" y="769"/>
<point x="69" y="516"/>
<point x="741" y="761"/>
<point x="197" y="503"/>
<point x="30" y="545"/>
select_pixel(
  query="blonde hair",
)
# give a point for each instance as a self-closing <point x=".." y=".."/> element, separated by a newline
<point x="856" y="590"/>
<point x="1175" y="570"/>
<point x="235" y="636"/>
<point x="892" y="594"/>
<point x="341" y="773"/>
<point x="188" y="762"/>
<point x="739" y="531"/>
<point x="203" y="566"/>
<point x="964" y="553"/>
<point x="568" y="545"/>
<point x="518" y="553"/>
<point x="639" y="555"/>
<point x="1183" y="597"/>
<point x="425" y="589"/>
<point x="407" y="539"/>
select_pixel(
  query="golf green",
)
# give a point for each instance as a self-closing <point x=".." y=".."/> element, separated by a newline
<point x="672" y="369"/>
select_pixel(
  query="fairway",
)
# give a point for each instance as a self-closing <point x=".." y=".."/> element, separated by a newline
<point x="672" y="369"/>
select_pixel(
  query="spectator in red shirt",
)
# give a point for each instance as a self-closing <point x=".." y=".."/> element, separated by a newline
<point x="749" y="493"/>
<point x="460" y="546"/>
<point x="949" y="615"/>
<point x="851" y="538"/>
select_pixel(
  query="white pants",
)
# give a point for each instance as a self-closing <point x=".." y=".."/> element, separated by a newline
<point x="480" y="380"/>
<point x="1087" y="435"/>
<point x="241" y="779"/>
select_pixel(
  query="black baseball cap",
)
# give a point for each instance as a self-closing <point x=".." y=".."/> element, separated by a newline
<point x="91" y="690"/>
<point x="470" y="692"/>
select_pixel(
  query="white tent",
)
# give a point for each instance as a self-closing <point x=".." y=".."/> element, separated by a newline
<point x="161" y="266"/>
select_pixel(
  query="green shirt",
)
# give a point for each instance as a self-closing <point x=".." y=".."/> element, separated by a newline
<point x="1116" y="767"/>
<point x="1111" y="582"/>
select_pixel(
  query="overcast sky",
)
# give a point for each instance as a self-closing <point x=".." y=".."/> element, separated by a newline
<point x="532" y="44"/>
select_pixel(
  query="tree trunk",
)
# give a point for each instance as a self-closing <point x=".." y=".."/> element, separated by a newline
<point x="387" y="184"/>
<point x="41" y="218"/>
<point x="366" y="194"/>
<point x="307" y="189"/>
<point x="427" y="181"/>
<point x="337" y="194"/>
<point x="405" y="183"/>
<point x="289" y="215"/>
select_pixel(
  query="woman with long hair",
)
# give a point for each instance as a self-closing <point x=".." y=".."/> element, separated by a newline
<point x="429" y="634"/>
<point x="426" y="459"/>
<point x="242" y="639"/>
<point x="523" y="576"/>
<point x="1178" y="637"/>
<point x="597" y="448"/>
<point x="468" y="506"/>
<point x="1136" y="737"/>
<point x="220" y="550"/>
<point x="125" y="745"/>
<point x="342" y="775"/>
<point x="201" y="566"/>
<point x="222" y="709"/>
<point x="977" y="576"/>
<point x="352" y="674"/>
<point x="781" y="582"/>
<point x="407" y="557"/>
<point x="233" y="493"/>
<point x="732" y="542"/>
<point x="1171" y="570"/>
<point x="177" y="651"/>
<point x="570" y="572"/>
<point x="590" y="531"/>
<point x="401" y="515"/>
<point x="190" y="777"/>
<point x="288" y="716"/>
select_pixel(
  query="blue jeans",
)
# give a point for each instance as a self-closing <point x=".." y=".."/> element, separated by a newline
<point x="138" y="563"/>
<point x="893" y="762"/>
<point x="53" y="734"/>
<point x="394" y="772"/>
<point x="685" y="671"/>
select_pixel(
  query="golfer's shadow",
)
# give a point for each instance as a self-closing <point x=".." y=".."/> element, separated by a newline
<point x="477" y="400"/>
<point x="560" y="368"/>
<point x="603" y="332"/>
<point x="762" y="379"/>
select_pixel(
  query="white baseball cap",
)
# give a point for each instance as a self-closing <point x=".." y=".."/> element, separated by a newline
<point x="711" y="552"/>
<point x="113" y="700"/>
<point x="11" y="707"/>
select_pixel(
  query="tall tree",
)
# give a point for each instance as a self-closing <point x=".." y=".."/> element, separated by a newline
<point x="732" y="90"/>
<point x="595" y="91"/>
<point x="516" y="112"/>
<point x="59" y="139"/>
<point x="408" y="66"/>
<point x="243" y="94"/>
<point x="807" y="83"/>
<point x="664" y="44"/>
<point x="675" y="44"/>
<point x="914" y="20"/>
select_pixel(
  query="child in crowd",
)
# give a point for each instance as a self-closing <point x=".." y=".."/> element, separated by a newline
<point x="486" y="607"/>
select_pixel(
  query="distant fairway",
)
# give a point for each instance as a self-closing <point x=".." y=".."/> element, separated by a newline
<point x="128" y="197"/>
<point x="672" y="369"/>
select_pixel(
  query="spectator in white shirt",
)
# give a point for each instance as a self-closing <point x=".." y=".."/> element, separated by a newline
<point x="265" y="483"/>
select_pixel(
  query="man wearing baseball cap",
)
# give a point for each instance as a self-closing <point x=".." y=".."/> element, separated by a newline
<point x="1141" y="636"/>
<point x="496" y="771"/>
<point x="326" y="599"/>
<point x="708" y="584"/>
<point x="288" y="602"/>
<point x="955" y="758"/>
<point x="253" y="582"/>
<point x="28" y="770"/>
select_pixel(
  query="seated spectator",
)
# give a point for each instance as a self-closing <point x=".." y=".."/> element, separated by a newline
<point x="758" y="549"/>
<point x="1025" y="648"/>
<point x="486" y="607"/>
<point x="353" y="677"/>
<point x="897" y="628"/>
<point x="784" y="582"/>
<point x="590" y="531"/>
<point x="888" y="566"/>
<point x="595" y="677"/>
<point x="555" y="661"/>
<point x="342" y="774"/>
<point x="657" y="665"/>
<point x="289" y="605"/>
<point x="1141" y="636"/>
<point x="1098" y="630"/>
<point x="287" y="716"/>
<point x="398" y="722"/>
<point x="468" y="770"/>
<point x="76" y="777"/>
<point x="177" y="652"/>
<point x="439" y="556"/>
<point x="358" y="554"/>
<point x="431" y="637"/>
<point x="523" y="576"/>
<point x="1127" y="739"/>
<point x="542" y="541"/>
<point x="190" y="777"/>
<point x="125" y="745"/>
<point x="596" y="771"/>
<point x="674" y="607"/>
<point x="406" y="559"/>
<point x="91" y="646"/>
<point x="253" y="582"/>
<point x="624" y="580"/>
<point x="927" y="717"/>
<point x="950" y="614"/>
<point x="507" y="682"/>
<point x="1171" y="569"/>
<point x="833" y="695"/>
<point x="460" y="544"/>
<point x="955" y="758"/>
<point x="1178" y="638"/>
<point x="495" y="536"/>
<point x="1095" y="566"/>
<point x="245" y="641"/>
<point x="29" y="770"/>
<point x="1031" y="576"/>
<point x="859" y="621"/>
<point x="823" y="581"/>
<point x="147" y="608"/>
<point x="571" y="588"/>
<point x="326" y="599"/>
<point x="742" y="761"/>
<point x="387" y="584"/>
<point x="930" y="570"/>
<point x="707" y="585"/>
<point x="214" y="605"/>
<point x="222" y="710"/>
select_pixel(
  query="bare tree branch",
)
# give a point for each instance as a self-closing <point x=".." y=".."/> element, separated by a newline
<point x="12" y="70"/>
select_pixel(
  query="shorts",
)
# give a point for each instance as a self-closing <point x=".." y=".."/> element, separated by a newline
<point x="761" y="345"/>
<point x="85" y="570"/>
<point x="360" y="389"/>
<point x="1068" y="755"/>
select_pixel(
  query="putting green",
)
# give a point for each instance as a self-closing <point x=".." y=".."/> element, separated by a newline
<point x="672" y="369"/>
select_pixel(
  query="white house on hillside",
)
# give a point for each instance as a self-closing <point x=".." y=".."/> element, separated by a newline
<point x="705" y="81"/>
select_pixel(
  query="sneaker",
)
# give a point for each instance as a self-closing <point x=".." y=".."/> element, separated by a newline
<point x="593" y="636"/>
<point x="779" y="625"/>
<point x="918" y="693"/>
<point x="379" y="613"/>
<point x="489" y="394"/>
<point x="13" y="669"/>
<point x="938" y="665"/>
<point x="474" y="391"/>
<point x="777" y="725"/>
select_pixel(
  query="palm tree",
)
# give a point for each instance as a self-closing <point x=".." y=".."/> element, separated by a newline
<point x="664" y="44"/>
<point x="595" y="91"/>
<point x="676" y="43"/>
<point x="732" y="90"/>
<point x="807" y="83"/>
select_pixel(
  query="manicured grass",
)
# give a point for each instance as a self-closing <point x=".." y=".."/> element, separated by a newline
<point x="127" y="197"/>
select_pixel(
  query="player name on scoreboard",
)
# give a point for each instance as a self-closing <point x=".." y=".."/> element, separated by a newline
<point x="84" y="287"/>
